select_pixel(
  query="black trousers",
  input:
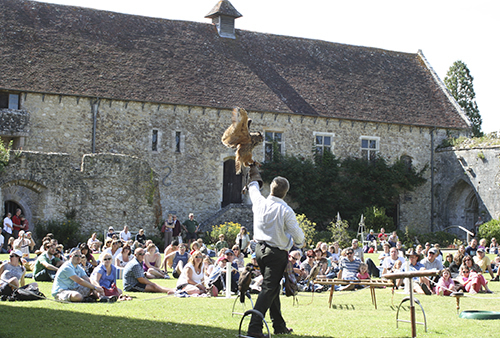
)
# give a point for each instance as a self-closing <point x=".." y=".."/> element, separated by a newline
<point x="373" y="270"/>
<point x="272" y="263"/>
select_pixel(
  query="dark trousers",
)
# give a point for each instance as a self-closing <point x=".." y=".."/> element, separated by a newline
<point x="373" y="270"/>
<point x="45" y="275"/>
<point x="272" y="263"/>
<point x="6" y="237"/>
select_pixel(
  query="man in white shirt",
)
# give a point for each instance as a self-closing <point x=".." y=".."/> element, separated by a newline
<point x="389" y="262"/>
<point x="125" y="235"/>
<point x="276" y="231"/>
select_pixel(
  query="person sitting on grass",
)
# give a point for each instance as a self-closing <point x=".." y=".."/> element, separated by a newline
<point x="47" y="264"/>
<point x="363" y="272"/>
<point x="472" y="281"/>
<point x="349" y="268"/>
<point x="71" y="283"/>
<point x="134" y="279"/>
<point x="483" y="262"/>
<point x="180" y="258"/>
<point x="152" y="262"/>
<point x="445" y="285"/>
<point x="192" y="277"/>
<point x="239" y="258"/>
<point x="12" y="274"/>
<point x="221" y="244"/>
<point x="195" y="246"/>
<point x="114" y="250"/>
<point x="104" y="275"/>
<point x="168" y="259"/>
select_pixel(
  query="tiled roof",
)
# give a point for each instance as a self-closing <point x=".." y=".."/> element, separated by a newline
<point x="79" y="51"/>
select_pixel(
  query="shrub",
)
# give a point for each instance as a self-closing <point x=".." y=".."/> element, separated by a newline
<point x="340" y="233"/>
<point x="489" y="230"/>
<point x="376" y="218"/>
<point x="67" y="232"/>
<point x="410" y="238"/>
<point x="4" y="154"/>
<point x="309" y="229"/>
<point x="229" y="229"/>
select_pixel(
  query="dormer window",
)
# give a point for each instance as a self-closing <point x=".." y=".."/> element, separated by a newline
<point x="223" y="15"/>
<point x="9" y="100"/>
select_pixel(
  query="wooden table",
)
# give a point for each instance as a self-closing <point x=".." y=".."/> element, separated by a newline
<point x="373" y="284"/>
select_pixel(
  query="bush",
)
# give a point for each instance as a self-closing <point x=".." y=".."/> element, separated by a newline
<point x="376" y="218"/>
<point x="230" y="231"/>
<point x="489" y="230"/>
<point x="411" y="238"/>
<point x="340" y="233"/>
<point x="66" y="232"/>
<point x="309" y="229"/>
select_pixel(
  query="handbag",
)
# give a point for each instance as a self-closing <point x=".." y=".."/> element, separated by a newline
<point x="113" y="291"/>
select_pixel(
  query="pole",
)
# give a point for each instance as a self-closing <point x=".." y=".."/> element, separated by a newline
<point x="229" y="271"/>
<point x="412" y="310"/>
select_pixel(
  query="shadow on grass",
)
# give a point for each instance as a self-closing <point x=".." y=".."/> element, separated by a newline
<point x="77" y="322"/>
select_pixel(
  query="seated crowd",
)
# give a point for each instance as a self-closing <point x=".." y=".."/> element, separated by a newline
<point x="89" y="272"/>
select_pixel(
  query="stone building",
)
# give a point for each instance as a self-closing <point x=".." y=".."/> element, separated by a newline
<point x="98" y="97"/>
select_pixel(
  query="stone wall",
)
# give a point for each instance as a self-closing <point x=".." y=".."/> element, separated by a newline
<point x="190" y="174"/>
<point x="467" y="185"/>
<point x="109" y="190"/>
<point x="14" y="122"/>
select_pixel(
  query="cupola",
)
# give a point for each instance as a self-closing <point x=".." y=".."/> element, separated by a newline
<point x="223" y="15"/>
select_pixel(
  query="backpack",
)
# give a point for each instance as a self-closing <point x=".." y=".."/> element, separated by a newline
<point x="27" y="292"/>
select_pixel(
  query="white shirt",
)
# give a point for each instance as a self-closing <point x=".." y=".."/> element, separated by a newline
<point x="274" y="222"/>
<point x="125" y="236"/>
<point x="6" y="222"/>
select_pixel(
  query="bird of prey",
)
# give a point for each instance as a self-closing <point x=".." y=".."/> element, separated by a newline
<point x="238" y="136"/>
<point x="245" y="280"/>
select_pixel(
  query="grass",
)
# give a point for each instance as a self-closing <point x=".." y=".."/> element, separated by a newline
<point x="352" y="315"/>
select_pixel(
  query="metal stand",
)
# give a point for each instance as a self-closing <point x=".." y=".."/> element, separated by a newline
<point x="253" y="312"/>
<point x="247" y="295"/>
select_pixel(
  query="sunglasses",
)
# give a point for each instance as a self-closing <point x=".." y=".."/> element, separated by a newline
<point x="12" y="256"/>
<point x="140" y="254"/>
<point x="198" y="257"/>
<point x="107" y="259"/>
<point x="310" y="256"/>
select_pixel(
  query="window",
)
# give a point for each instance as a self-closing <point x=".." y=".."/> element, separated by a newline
<point x="271" y="140"/>
<point x="407" y="160"/>
<point x="369" y="147"/>
<point x="9" y="100"/>
<point x="323" y="142"/>
<point x="177" y="141"/>
<point x="154" y="141"/>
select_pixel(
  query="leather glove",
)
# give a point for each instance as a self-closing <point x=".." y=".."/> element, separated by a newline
<point x="254" y="175"/>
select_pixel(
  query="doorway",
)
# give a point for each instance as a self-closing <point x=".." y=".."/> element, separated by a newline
<point x="232" y="185"/>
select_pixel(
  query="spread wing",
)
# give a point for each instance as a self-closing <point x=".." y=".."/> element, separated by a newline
<point x="237" y="133"/>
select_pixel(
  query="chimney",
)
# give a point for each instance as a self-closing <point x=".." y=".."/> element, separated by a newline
<point x="223" y="15"/>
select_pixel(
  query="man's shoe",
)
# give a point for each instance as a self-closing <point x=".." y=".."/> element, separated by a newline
<point x="285" y="331"/>
<point x="496" y="279"/>
<point x="425" y="288"/>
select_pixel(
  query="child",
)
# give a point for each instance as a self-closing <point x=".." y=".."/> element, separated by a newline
<point x="448" y="260"/>
<point x="363" y="272"/>
<point x="445" y="285"/>
<point x="397" y="266"/>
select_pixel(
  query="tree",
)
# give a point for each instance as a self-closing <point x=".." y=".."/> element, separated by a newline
<point x="459" y="82"/>
<point x="4" y="154"/>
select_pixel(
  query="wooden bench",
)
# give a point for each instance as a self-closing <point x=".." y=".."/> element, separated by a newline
<point x="373" y="284"/>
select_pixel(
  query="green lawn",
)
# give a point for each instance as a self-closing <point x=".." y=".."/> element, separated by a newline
<point x="352" y="315"/>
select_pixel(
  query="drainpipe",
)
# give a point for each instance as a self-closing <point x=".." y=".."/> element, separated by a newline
<point x="432" y="179"/>
<point x="94" y="108"/>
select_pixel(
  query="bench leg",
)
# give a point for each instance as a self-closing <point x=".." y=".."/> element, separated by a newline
<point x="331" y="296"/>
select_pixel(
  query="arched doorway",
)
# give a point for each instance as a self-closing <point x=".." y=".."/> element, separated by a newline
<point x="462" y="206"/>
<point x="11" y="206"/>
<point x="232" y="185"/>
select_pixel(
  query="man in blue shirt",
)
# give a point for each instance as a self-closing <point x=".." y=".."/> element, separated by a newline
<point x="71" y="283"/>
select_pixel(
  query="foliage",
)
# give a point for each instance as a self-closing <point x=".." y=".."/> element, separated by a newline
<point x="491" y="139"/>
<point x="309" y="229"/>
<point x="230" y="231"/>
<point x="458" y="80"/>
<point x="489" y="230"/>
<point x="322" y="185"/>
<point x="376" y="218"/>
<point x="411" y="238"/>
<point x="4" y="154"/>
<point x="67" y="232"/>
<point x="340" y="234"/>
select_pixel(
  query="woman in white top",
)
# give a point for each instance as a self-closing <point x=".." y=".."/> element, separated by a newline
<point x="243" y="240"/>
<point x="192" y="276"/>
<point x="124" y="257"/>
